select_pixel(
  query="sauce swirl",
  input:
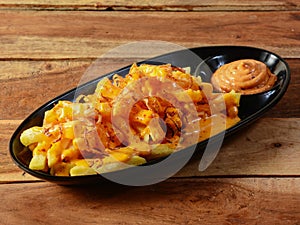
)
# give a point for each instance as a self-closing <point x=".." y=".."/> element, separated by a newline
<point x="246" y="76"/>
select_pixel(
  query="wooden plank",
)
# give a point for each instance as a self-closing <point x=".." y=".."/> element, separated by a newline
<point x="177" y="201"/>
<point x="268" y="147"/>
<point x="57" y="35"/>
<point x="9" y="172"/>
<point x="173" y="5"/>
<point x="27" y="85"/>
<point x="286" y="106"/>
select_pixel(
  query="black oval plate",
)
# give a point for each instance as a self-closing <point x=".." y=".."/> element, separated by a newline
<point x="251" y="106"/>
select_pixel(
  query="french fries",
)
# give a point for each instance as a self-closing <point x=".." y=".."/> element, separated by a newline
<point x="82" y="139"/>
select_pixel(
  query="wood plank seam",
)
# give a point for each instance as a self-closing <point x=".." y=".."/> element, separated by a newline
<point x="161" y="6"/>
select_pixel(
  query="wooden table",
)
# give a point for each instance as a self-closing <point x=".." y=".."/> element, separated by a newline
<point x="46" y="46"/>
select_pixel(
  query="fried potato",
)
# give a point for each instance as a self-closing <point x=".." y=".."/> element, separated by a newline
<point x="82" y="138"/>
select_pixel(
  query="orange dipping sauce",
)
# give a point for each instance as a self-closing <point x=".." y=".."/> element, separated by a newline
<point x="246" y="76"/>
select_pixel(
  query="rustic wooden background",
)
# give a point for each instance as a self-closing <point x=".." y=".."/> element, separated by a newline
<point x="46" y="46"/>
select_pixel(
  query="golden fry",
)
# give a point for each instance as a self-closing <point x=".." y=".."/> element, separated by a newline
<point x="83" y="139"/>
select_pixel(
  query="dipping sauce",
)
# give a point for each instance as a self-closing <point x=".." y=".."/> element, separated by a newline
<point x="246" y="76"/>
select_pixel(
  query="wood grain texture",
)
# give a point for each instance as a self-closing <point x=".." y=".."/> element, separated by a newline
<point x="76" y="34"/>
<point x="46" y="48"/>
<point x="269" y="147"/>
<point x="26" y="85"/>
<point x="157" y="5"/>
<point x="176" y="201"/>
